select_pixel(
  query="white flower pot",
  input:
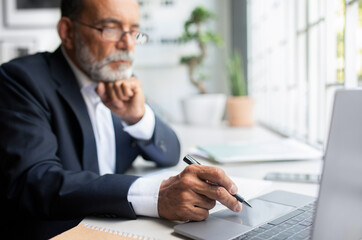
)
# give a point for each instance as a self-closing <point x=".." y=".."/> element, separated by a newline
<point x="204" y="109"/>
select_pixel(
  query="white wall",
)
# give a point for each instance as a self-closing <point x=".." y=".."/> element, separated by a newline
<point x="44" y="39"/>
<point x="165" y="82"/>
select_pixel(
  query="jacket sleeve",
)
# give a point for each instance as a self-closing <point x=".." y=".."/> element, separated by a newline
<point x="164" y="146"/>
<point x="33" y="179"/>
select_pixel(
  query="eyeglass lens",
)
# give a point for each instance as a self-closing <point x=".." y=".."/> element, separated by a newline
<point x="113" y="34"/>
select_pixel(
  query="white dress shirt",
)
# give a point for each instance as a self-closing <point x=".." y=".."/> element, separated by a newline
<point x="143" y="193"/>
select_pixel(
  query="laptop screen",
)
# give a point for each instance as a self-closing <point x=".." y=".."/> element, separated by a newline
<point x="339" y="208"/>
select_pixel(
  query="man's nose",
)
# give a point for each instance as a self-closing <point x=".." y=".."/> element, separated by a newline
<point x="127" y="42"/>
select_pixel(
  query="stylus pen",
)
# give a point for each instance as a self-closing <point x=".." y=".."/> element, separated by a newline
<point x="190" y="160"/>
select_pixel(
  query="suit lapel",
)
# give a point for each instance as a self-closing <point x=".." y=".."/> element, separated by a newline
<point x="118" y="129"/>
<point x="124" y="154"/>
<point x="69" y="89"/>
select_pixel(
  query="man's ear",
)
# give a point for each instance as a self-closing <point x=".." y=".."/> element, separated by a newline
<point x="66" y="32"/>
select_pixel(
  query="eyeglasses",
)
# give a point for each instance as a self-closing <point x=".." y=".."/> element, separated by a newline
<point x="111" y="34"/>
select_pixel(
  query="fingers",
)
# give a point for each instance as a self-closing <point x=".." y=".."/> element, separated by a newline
<point x="188" y="196"/>
<point x="223" y="196"/>
<point x="196" y="214"/>
<point x="124" y="90"/>
<point x="177" y="203"/>
<point x="191" y="213"/>
<point x="117" y="91"/>
<point x="221" y="189"/>
<point x="218" y="177"/>
<point x="204" y="202"/>
<point x="196" y="207"/>
<point x="124" y="98"/>
<point x="101" y="90"/>
<point x="110" y="91"/>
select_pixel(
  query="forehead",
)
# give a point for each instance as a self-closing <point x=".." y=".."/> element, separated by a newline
<point x="124" y="11"/>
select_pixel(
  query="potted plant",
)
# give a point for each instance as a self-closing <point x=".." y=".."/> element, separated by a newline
<point x="239" y="105"/>
<point x="203" y="108"/>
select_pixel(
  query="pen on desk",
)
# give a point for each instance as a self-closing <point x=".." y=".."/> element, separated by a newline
<point x="190" y="160"/>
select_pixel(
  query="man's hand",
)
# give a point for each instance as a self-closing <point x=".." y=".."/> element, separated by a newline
<point x="125" y="98"/>
<point x="188" y="196"/>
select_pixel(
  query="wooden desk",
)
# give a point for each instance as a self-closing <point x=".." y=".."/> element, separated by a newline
<point x="191" y="135"/>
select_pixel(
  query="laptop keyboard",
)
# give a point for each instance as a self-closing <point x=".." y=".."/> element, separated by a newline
<point x="295" y="225"/>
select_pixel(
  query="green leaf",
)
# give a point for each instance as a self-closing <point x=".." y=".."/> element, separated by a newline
<point x="187" y="59"/>
<point x="194" y="31"/>
<point x="236" y="75"/>
<point x="201" y="14"/>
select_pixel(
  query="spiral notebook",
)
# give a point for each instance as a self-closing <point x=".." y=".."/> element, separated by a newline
<point x="88" y="231"/>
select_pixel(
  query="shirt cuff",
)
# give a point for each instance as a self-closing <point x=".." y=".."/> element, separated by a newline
<point x="143" y="194"/>
<point x="144" y="128"/>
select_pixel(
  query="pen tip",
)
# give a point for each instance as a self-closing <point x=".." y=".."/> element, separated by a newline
<point x="248" y="204"/>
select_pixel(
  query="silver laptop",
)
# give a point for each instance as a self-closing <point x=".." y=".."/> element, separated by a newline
<point x="337" y="214"/>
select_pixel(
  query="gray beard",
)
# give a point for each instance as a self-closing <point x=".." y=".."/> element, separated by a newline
<point x="100" y="71"/>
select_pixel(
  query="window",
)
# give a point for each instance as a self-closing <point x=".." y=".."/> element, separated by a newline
<point x="359" y="41"/>
<point x="299" y="53"/>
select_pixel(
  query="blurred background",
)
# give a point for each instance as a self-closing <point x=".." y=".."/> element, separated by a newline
<point x="294" y="54"/>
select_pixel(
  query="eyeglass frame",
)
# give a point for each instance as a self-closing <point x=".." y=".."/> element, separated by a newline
<point x="101" y="30"/>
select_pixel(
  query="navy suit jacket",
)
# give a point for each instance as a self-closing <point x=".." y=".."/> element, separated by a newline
<point x="49" y="169"/>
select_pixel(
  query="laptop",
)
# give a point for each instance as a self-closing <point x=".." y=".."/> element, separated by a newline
<point x="336" y="214"/>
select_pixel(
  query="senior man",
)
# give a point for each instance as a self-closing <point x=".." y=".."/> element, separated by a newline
<point x="73" y="121"/>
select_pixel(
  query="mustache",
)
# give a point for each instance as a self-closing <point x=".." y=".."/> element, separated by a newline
<point x="118" y="56"/>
